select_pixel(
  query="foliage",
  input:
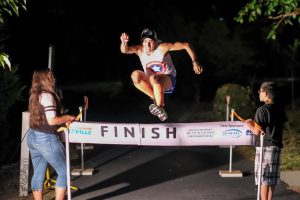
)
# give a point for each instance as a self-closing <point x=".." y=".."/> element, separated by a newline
<point x="240" y="100"/>
<point x="224" y="52"/>
<point x="280" y="12"/>
<point x="10" y="7"/>
<point x="11" y="92"/>
<point x="4" y="61"/>
<point x="290" y="159"/>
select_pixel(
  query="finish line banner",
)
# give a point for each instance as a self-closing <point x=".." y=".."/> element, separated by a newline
<point x="166" y="134"/>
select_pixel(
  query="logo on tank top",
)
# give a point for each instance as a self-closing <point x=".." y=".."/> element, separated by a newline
<point x="156" y="67"/>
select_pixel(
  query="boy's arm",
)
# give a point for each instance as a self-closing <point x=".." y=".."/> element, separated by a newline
<point x="254" y="127"/>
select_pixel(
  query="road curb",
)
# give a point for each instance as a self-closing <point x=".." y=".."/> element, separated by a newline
<point x="292" y="178"/>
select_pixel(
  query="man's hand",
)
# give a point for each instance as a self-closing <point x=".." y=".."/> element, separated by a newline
<point x="124" y="38"/>
<point x="198" y="69"/>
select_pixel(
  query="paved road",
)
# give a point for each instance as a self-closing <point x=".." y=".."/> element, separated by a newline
<point x="167" y="173"/>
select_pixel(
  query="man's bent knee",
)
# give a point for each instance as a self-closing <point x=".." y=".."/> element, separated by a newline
<point x="136" y="76"/>
<point x="157" y="79"/>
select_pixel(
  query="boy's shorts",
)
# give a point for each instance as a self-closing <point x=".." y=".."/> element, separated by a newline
<point x="270" y="171"/>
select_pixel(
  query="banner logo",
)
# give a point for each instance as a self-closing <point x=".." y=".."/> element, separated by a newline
<point x="80" y="131"/>
<point x="235" y="133"/>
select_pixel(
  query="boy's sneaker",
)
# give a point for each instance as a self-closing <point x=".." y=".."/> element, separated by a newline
<point x="158" y="111"/>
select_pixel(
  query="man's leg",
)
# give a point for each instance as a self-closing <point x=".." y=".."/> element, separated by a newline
<point x="142" y="83"/>
<point x="159" y="84"/>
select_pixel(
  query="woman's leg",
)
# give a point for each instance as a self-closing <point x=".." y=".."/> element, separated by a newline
<point x="56" y="157"/>
<point x="39" y="163"/>
<point x="60" y="193"/>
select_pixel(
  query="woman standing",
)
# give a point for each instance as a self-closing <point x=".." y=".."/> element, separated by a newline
<point x="43" y="140"/>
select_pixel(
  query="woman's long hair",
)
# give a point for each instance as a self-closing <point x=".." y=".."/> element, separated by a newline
<point x="42" y="81"/>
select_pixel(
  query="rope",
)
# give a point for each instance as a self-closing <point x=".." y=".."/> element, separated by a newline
<point x="68" y="124"/>
<point x="261" y="153"/>
<point x="256" y="125"/>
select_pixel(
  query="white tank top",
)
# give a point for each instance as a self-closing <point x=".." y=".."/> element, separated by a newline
<point x="156" y="63"/>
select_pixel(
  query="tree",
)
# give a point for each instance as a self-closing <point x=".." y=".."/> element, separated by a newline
<point x="8" y="8"/>
<point x="10" y="86"/>
<point x="228" y="55"/>
<point x="279" y="13"/>
<point x="4" y="61"/>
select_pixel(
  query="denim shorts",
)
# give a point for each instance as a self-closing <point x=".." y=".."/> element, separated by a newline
<point x="46" y="148"/>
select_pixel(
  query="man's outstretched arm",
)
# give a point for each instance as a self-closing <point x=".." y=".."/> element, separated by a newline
<point x="189" y="49"/>
<point x="124" y="47"/>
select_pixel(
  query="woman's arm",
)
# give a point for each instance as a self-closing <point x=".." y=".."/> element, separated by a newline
<point x="57" y="120"/>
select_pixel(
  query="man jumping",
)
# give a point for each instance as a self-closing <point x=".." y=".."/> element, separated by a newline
<point x="159" y="75"/>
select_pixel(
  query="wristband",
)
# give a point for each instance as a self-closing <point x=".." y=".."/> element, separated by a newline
<point x="195" y="62"/>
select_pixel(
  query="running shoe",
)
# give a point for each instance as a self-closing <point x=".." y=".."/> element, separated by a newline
<point x="154" y="109"/>
<point x="158" y="111"/>
<point x="163" y="116"/>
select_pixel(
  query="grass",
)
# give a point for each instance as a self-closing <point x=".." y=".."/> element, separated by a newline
<point x="290" y="157"/>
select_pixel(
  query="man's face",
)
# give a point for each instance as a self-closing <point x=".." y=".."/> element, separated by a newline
<point x="149" y="45"/>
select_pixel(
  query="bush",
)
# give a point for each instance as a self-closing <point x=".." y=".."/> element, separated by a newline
<point x="11" y="93"/>
<point x="241" y="100"/>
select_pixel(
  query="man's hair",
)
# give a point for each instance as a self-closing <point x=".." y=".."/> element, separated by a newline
<point x="272" y="90"/>
<point x="148" y="33"/>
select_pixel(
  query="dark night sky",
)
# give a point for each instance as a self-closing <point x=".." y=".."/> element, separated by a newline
<point x="86" y="39"/>
<point x="86" y="36"/>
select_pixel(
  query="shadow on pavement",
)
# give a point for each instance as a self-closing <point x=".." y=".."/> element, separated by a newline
<point x="172" y="165"/>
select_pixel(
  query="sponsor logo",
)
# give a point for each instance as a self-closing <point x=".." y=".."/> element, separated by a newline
<point x="249" y="132"/>
<point x="235" y="133"/>
<point x="80" y="131"/>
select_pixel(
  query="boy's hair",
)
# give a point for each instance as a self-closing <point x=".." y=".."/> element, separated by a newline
<point x="271" y="89"/>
